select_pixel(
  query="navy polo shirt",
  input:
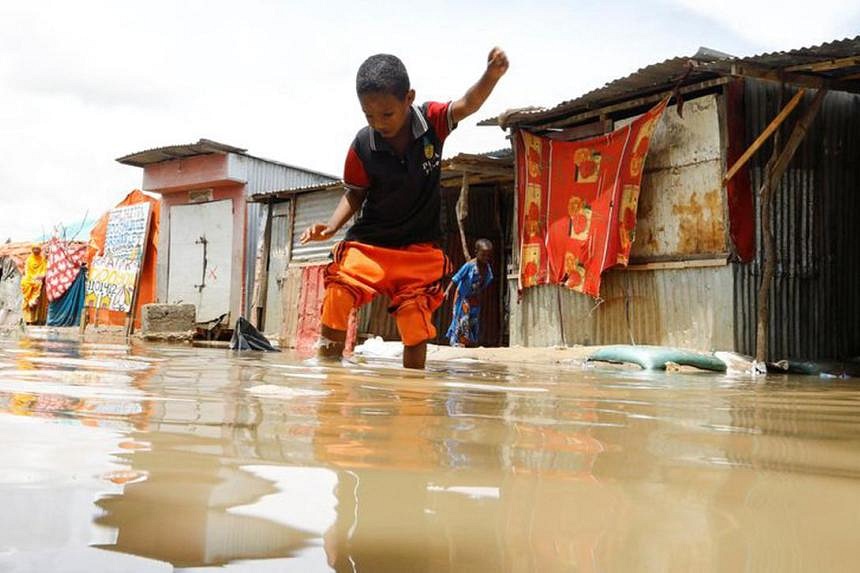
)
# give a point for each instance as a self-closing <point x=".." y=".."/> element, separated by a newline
<point x="403" y="203"/>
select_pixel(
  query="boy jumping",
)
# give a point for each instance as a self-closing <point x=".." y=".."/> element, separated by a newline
<point x="392" y="175"/>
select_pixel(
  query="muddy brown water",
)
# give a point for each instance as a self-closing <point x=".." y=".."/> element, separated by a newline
<point x="140" y="458"/>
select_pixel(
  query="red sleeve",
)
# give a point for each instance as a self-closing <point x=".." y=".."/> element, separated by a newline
<point x="354" y="175"/>
<point x="439" y="116"/>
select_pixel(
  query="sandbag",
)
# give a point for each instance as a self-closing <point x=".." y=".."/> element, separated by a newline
<point x="656" y="357"/>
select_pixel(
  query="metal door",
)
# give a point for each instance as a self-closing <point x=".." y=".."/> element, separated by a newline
<point x="200" y="261"/>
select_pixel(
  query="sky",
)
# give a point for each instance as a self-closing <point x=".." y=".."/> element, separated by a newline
<point x="82" y="83"/>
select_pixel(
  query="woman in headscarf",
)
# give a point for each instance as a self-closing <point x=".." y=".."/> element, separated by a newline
<point x="35" y="303"/>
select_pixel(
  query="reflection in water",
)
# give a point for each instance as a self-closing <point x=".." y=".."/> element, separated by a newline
<point x="156" y="457"/>
<point x="179" y="513"/>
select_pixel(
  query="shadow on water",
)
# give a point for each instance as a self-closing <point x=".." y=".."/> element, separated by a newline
<point x="141" y="458"/>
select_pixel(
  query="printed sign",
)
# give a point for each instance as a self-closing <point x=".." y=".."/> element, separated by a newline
<point x="113" y="276"/>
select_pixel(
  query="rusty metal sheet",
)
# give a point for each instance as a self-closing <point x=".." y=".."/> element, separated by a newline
<point x="682" y="205"/>
<point x="681" y="212"/>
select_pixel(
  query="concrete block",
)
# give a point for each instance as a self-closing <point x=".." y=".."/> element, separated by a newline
<point x="159" y="318"/>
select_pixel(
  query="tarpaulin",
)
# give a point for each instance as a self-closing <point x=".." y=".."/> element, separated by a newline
<point x="247" y="337"/>
<point x="64" y="263"/>
<point x="146" y="284"/>
<point x="577" y="202"/>
<point x="66" y="311"/>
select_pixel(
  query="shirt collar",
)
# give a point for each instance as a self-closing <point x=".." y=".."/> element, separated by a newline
<point x="419" y="127"/>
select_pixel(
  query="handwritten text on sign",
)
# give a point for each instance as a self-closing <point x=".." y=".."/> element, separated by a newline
<point x="126" y="231"/>
<point x="110" y="283"/>
<point x="113" y="276"/>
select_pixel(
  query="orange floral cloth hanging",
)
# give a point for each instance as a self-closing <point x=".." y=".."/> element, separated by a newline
<point x="577" y="203"/>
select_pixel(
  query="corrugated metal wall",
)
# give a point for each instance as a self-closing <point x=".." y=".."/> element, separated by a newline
<point x="815" y="301"/>
<point x="689" y="308"/>
<point x="264" y="176"/>
<point x="315" y="207"/>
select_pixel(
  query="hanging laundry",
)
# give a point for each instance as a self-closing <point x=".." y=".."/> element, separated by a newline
<point x="577" y="203"/>
<point x="64" y="263"/>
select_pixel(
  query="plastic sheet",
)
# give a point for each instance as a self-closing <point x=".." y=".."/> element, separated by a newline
<point x="247" y="337"/>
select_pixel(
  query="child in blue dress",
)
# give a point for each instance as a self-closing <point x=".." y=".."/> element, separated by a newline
<point x="470" y="281"/>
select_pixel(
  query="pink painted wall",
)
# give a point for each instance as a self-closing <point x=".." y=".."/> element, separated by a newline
<point x="174" y="180"/>
<point x="192" y="173"/>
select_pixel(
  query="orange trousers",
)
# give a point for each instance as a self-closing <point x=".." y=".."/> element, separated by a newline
<point x="413" y="277"/>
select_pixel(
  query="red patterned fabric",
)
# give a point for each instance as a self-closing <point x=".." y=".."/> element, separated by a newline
<point x="577" y="203"/>
<point x="64" y="263"/>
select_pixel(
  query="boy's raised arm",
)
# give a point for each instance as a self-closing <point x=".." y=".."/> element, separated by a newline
<point x="497" y="65"/>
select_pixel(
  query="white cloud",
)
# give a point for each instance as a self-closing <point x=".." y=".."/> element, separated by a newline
<point x="785" y="25"/>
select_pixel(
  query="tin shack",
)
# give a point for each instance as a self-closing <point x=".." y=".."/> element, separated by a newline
<point x="738" y="130"/>
<point x="210" y="232"/>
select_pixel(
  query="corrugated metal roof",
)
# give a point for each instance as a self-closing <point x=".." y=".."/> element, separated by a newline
<point x="499" y="157"/>
<point x="290" y="191"/>
<point x="202" y="147"/>
<point x="650" y="79"/>
<point x="705" y="64"/>
<point x="159" y="154"/>
<point x="795" y="60"/>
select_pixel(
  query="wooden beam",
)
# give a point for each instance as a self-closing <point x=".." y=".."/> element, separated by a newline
<point x="593" y="129"/>
<point x="481" y="169"/>
<point x="798" y="134"/>
<point x="768" y="131"/>
<point x="455" y="182"/>
<point x="678" y="258"/>
<point x="795" y="79"/>
<point x="258" y="314"/>
<point x="826" y="65"/>
<point x="774" y="171"/>
<point x="671" y="265"/>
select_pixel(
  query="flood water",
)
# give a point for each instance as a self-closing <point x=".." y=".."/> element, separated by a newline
<point x="142" y="458"/>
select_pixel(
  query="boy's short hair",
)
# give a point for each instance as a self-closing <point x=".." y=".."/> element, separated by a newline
<point x="382" y="73"/>
<point x="483" y="244"/>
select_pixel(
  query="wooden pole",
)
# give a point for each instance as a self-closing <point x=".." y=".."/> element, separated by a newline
<point x="262" y="286"/>
<point x="462" y="210"/>
<point x="129" y="328"/>
<point x="768" y="131"/>
<point x="776" y="168"/>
